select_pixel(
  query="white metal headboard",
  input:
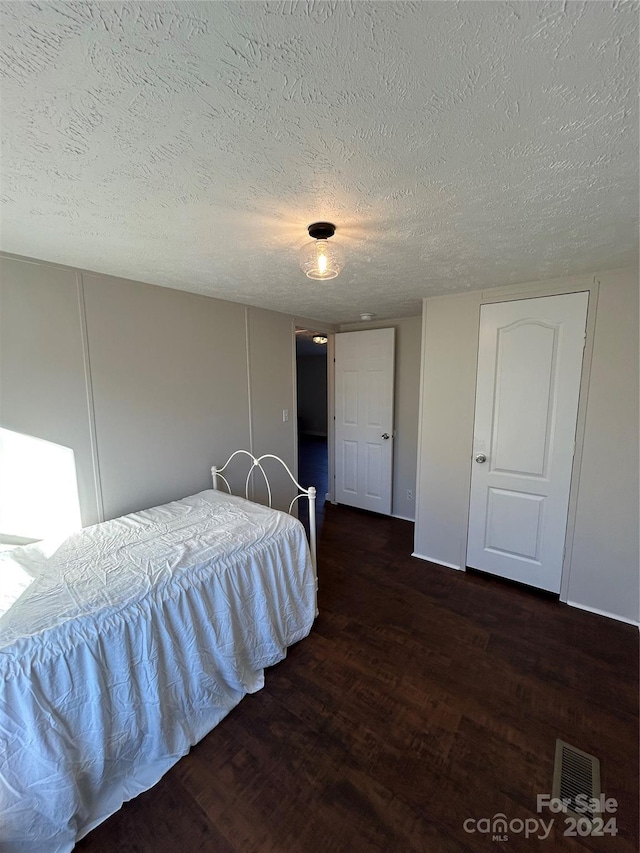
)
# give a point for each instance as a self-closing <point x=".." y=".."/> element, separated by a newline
<point x="256" y="462"/>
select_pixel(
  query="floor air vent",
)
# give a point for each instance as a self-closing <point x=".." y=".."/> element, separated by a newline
<point x="576" y="778"/>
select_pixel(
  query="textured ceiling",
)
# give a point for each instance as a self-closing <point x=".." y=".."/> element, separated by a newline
<point x="455" y="145"/>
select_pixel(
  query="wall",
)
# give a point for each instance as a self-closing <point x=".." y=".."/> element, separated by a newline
<point x="164" y="399"/>
<point x="149" y="386"/>
<point x="312" y="394"/>
<point x="602" y="567"/>
<point x="450" y="342"/>
<point x="271" y="378"/>
<point x="407" y="388"/>
<point x="43" y="390"/>
<point x="604" y="572"/>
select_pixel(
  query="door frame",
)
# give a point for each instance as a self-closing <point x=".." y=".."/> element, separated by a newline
<point x="511" y="294"/>
<point x="301" y="322"/>
<point x="331" y="419"/>
<point x="568" y="312"/>
<point x="376" y="326"/>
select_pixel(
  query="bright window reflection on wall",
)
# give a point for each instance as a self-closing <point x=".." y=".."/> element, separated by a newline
<point x="38" y="488"/>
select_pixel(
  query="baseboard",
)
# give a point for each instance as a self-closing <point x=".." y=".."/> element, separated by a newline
<point x="438" y="562"/>
<point x="403" y="517"/>
<point x="599" y="612"/>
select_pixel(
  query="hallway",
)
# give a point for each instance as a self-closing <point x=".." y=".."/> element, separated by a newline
<point x="313" y="470"/>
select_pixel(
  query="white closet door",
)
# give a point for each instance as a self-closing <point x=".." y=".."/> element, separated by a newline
<point x="364" y="418"/>
<point x="529" y="370"/>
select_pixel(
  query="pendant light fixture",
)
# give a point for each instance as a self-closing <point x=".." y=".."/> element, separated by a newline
<point x="321" y="259"/>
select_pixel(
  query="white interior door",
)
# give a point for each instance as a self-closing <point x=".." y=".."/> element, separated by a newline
<point x="364" y="418"/>
<point x="529" y="369"/>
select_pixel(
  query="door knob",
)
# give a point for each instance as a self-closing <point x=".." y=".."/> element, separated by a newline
<point x="481" y="457"/>
<point x="385" y="435"/>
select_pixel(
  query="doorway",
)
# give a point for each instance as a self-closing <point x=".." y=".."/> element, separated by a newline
<point x="364" y="409"/>
<point x="527" y="389"/>
<point x="312" y="416"/>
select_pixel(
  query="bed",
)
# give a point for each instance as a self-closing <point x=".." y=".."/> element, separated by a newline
<point x="123" y="645"/>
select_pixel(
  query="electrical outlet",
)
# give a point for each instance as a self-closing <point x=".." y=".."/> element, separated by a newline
<point x="285" y="416"/>
<point x="409" y="494"/>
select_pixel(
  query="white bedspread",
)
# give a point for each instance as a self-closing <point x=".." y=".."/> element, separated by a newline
<point x="124" y="645"/>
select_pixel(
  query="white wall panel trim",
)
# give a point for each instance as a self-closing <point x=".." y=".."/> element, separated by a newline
<point x="90" y="403"/>
<point x="248" y="353"/>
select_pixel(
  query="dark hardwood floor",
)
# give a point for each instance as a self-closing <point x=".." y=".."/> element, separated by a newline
<point x="423" y="697"/>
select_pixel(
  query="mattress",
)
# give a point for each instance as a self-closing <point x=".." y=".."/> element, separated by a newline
<point x="125" y="644"/>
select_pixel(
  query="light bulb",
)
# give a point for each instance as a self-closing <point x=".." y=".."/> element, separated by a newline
<point x="321" y="259"/>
